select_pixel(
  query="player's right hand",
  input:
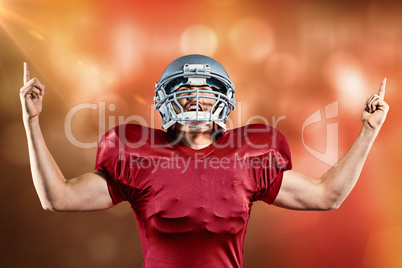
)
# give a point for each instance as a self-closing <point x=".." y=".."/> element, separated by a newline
<point x="31" y="95"/>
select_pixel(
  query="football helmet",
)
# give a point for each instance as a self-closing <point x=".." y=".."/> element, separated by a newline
<point x="194" y="71"/>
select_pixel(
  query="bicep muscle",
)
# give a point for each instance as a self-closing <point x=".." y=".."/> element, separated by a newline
<point x="300" y="192"/>
<point x="87" y="192"/>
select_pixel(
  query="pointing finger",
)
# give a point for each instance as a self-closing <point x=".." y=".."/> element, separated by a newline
<point x="381" y="91"/>
<point x="26" y="72"/>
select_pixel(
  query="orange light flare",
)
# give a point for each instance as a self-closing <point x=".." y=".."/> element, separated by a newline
<point x="252" y="45"/>
<point x="199" y="39"/>
<point x="19" y="28"/>
<point x="128" y="45"/>
<point x="344" y="73"/>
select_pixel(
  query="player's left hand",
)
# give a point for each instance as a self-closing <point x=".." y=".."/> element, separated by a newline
<point x="376" y="109"/>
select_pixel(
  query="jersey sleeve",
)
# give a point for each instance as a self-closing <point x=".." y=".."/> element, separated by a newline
<point x="111" y="160"/>
<point x="273" y="163"/>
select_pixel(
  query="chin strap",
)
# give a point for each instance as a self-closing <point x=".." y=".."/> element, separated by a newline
<point x="222" y="125"/>
<point x="194" y="123"/>
<point x="168" y="124"/>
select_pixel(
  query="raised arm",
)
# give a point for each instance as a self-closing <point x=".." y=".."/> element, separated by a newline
<point x="299" y="191"/>
<point x="85" y="193"/>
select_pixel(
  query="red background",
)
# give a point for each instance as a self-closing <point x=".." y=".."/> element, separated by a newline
<point x="286" y="58"/>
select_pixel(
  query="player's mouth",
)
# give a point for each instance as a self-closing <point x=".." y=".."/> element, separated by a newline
<point x="192" y="107"/>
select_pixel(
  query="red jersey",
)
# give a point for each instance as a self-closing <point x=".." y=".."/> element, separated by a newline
<point x="192" y="206"/>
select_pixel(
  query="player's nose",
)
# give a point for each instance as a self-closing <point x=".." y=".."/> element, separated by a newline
<point x="191" y="97"/>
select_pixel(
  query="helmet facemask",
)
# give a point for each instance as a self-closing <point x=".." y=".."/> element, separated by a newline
<point x="194" y="96"/>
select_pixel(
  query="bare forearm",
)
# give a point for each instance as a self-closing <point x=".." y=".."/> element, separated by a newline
<point x="47" y="177"/>
<point x="85" y="192"/>
<point x="339" y="181"/>
<point x="302" y="192"/>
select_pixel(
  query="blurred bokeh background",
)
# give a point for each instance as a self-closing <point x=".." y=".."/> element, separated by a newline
<point x="288" y="59"/>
